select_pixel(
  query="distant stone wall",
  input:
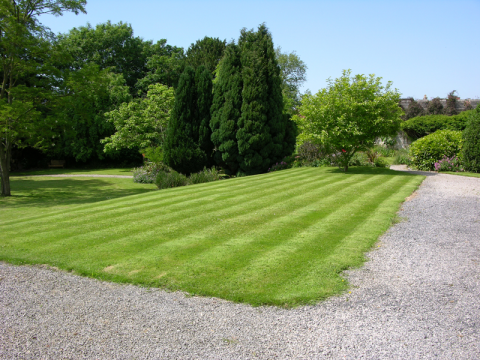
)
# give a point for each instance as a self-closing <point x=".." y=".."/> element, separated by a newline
<point x="460" y="104"/>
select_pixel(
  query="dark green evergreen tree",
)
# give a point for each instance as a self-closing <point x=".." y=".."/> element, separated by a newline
<point x="226" y="110"/>
<point x="471" y="142"/>
<point x="262" y="125"/>
<point x="207" y="51"/>
<point x="182" y="151"/>
<point x="203" y="82"/>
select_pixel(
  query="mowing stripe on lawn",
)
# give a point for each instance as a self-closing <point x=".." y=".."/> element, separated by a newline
<point x="166" y="197"/>
<point x="278" y="238"/>
<point x="190" y="221"/>
<point x="282" y="248"/>
<point x="243" y="226"/>
<point x="143" y="219"/>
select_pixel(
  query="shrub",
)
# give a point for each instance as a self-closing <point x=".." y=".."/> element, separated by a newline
<point x="449" y="164"/>
<point x="435" y="107"/>
<point x="471" y="146"/>
<point x="311" y="154"/>
<point x="451" y="108"/>
<point x="309" y="151"/>
<point x="425" y="152"/>
<point x="372" y="155"/>
<point x="204" y="176"/>
<point x="384" y="150"/>
<point x="380" y="162"/>
<point x="468" y="105"/>
<point x="401" y="157"/>
<point x="147" y="173"/>
<point x="171" y="179"/>
<point x="359" y="159"/>
<point x="414" y="109"/>
<point x="424" y="125"/>
<point x="278" y="166"/>
<point x="326" y="161"/>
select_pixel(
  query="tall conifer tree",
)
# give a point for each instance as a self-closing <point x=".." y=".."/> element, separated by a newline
<point x="182" y="151"/>
<point x="226" y="110"/>
<point x="203" y="82"/>
<point x="262" y="125"/>
<point x="249" y="129"/>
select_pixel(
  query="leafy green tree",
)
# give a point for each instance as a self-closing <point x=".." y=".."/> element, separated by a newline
<point x="471" y="142"/>
<point x="350" y="114"/>
<point x="182" y="151"/>
<point x="262" y="125"/>
<point x="141" y="123"/>
<point x="293" y="72"/>
<point x="435" y="107"/>
<point x="226" y="110"/>
<point x="90" y="93"/>
<point x="165" y="64"/>
<point x="207" y="52"/>
<point x="28" y="82"/>
<point x="414" y="109"/>
<point x="203" y="82"/>
<point x="109" y="46"/>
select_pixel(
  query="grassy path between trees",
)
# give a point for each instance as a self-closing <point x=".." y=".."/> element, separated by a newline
<point x="281" y="238"/>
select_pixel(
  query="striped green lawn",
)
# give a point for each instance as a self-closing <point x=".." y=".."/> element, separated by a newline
<point x="469" y="174"/>
<point x="281" y="238"/>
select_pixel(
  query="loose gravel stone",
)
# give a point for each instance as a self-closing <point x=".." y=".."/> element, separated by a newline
<point x="418" y="297"/>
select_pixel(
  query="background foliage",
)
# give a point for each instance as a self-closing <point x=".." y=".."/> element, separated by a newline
<point x="471" y="142"/>
<point x="425" y="152"/>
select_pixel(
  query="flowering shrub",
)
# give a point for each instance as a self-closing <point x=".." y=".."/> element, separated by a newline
<point x="147" y="173"/>
<point x="449" y="164"/>
<point x="206" y="175"/>
<point x="425" y="152"/>
<point x="278" y="166"/>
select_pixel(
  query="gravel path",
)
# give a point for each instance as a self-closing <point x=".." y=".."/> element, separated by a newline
<point x="417" y="298"/>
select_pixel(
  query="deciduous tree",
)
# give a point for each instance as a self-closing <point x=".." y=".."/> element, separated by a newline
<point x="27" y="79"/>
<point x="350" y="113"/>
<point x="293" y="73"/>
<point x="141" y="123"/>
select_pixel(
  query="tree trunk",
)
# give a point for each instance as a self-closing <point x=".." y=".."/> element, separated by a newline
<point x="346" y="168"/>
<point x="5" y="171"/>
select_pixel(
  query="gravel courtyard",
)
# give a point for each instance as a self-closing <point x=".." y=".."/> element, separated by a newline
<point x="418" y="297"/>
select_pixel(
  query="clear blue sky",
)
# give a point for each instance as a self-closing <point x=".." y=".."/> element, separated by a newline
<point x="423" y="47"/>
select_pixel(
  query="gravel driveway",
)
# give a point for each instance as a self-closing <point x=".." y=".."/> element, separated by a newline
<point x="417" y="298"/>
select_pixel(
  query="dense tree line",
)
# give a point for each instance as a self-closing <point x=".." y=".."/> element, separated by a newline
<point x="78" y="96"/>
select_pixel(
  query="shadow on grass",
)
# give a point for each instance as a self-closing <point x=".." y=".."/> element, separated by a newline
<point x="40" y="192"/>
<point x="365" y="170"/>
<point x="125" y="171"/>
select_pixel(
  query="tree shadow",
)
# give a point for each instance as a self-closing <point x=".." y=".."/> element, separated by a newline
<point x="48" y="192"/>
<point x="365" y="170"/>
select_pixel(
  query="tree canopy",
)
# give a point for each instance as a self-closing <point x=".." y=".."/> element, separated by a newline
<point x="141" y="123"/>
<point x="108" y="46"/>
<point x="349" y="114"/>
<point x="293" y="72"/>
<point x="207" y="52"/>
<point x="182" y="150"/>
<point x="28" y="78"/>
